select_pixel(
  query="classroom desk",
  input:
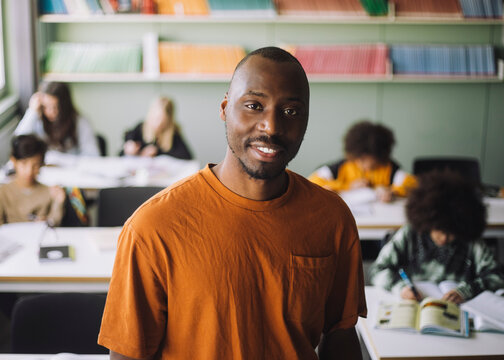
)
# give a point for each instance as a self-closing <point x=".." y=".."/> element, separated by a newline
<point x="90" y="272"/>
<point x="96" y="172"/>
<point x="394" y="344"/>
<point x="375" y="220"/>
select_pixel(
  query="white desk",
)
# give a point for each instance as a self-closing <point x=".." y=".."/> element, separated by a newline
<point x="90" y="272"/>
<point x="376" y="219"/>
<point x="391" y="344"/>
<point x="95" y="172"/>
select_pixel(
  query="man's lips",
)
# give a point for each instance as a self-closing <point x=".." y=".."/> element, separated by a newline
<point x="266" y="151"/>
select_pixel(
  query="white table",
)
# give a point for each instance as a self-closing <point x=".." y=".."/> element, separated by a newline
<point x="375" y="219"/>
<point x="394" y="344"/>
<point x="90" y="272"/>
<point x="96" y="172"/>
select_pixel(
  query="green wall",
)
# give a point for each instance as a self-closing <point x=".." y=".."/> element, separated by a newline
<point x="428" y="118"/>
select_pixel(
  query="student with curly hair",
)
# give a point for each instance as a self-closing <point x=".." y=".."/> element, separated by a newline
<point x="446" y="217"/>
<point x="367" y="163"/>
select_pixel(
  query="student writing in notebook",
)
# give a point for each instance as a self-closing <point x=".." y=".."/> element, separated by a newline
<point x="52" y="116"/>
<point x="442" y="241"/>
<point x="159" y="134"/>
<point x="367" y="163"/>
<point x="25" y="199"/>
<point x="241" y="260"/>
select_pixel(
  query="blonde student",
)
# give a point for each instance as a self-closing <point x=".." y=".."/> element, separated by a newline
<point x="367" y="163"/>
<point x="159" y="134"/>
<point x="53" y="117"/>
<point x="25" y="199"/>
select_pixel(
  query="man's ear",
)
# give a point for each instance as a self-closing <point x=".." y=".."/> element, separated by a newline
<point x="222" y="109"/>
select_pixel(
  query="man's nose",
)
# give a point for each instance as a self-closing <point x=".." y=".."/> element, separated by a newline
<point x="272" y="123"/>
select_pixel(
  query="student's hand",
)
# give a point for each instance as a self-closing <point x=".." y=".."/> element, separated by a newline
<point x="149" y="150"/>
<point x="384" y="194"/>
<point x="131" y="147"/>
<point x="408" y="294"/>
<point x="36" y="102"/>
<point x="453" y="296"/>
<point x="360" y="183"/>
<point x="57" y="194"/>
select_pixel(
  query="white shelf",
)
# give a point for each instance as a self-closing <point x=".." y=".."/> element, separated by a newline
<point x="206" y="78"/>
<point x="275" y="19"/>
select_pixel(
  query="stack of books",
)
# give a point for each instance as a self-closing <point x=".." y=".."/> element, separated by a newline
<point x="242" y="7"/>
<point x="375" y="7"/>
<point x="473" y="60"/>
<point x="428" y="8"/>
<point x="343" y="59"/>
<point x="93" y="58"/>
<point x="182" y="7"/>
<point x="199" y="59"/>
<point x="481" y="8"/>
<point x="318" y="7"/>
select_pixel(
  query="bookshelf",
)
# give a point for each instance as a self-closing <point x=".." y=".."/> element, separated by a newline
<point x="271" y="20"/>
<point x="472" y="104"/>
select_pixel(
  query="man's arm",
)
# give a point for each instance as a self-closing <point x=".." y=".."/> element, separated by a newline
<point x="340" y="344"/>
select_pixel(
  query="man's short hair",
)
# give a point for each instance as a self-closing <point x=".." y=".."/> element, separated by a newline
<point x="447" y="202"/>
<point x="26" y="146"/>
<point x="273" y="53"/>
<point x="366" y="138"/>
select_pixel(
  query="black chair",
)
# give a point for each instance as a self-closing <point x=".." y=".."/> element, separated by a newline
<point x="102" y="144"/>
<point x="55" y="323"/>
<point x="466" y="166"/>
<point x="115" y="205"/>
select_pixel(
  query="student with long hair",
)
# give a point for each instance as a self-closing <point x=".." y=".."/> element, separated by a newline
<point x="52" y="116"/>
<point x="159" y="134"/>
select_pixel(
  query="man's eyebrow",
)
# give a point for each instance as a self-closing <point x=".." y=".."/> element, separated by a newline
<point x="256" y="93"/>
<point x="263" y="95"/>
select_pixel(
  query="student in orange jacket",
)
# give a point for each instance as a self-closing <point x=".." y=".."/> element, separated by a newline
<point x="367" y="163"/>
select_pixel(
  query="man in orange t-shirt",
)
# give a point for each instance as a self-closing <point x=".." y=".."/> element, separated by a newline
<point x="242" y="260"/>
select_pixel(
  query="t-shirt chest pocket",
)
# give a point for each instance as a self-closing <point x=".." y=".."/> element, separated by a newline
<point x="309" y="283"/>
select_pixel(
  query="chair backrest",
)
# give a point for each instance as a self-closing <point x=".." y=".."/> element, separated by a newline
<point x="468" y="167"/>
<point x="115" y="205"/>
<point x="102" y="144"/>
<point x="55" y="323"/>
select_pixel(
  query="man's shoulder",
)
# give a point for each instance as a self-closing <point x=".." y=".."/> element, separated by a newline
<point x="317" y="193"/>
<point x="172" y="198"/>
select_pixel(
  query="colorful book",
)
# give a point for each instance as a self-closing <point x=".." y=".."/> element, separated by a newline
<point x="179" y="58"/>
<point x="320" y="7"/>
<point x="93" y="58"/>
<point x="431" y="316"/>
<point x="365" y="59"/>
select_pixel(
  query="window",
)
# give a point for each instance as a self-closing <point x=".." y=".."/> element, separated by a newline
<point x="2" y="60"/>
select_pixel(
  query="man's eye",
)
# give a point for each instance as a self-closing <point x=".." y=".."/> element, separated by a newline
<point x="253" y="106"/>
<point x="291" y="112"/>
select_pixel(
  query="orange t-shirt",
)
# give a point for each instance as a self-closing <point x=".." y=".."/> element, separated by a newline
<point x="203" y="273"/>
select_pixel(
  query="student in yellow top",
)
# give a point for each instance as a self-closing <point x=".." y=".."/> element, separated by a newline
<point x="25" y="199"/>
<point x="367" y="163"/>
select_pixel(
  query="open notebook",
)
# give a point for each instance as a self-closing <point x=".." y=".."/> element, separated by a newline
<point x="486" y="309"/>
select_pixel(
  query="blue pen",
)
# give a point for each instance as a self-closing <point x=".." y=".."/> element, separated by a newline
<point x="408" y="282"/>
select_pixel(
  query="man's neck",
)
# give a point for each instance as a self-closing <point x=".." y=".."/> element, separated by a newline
<point x="239" y="182"/>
